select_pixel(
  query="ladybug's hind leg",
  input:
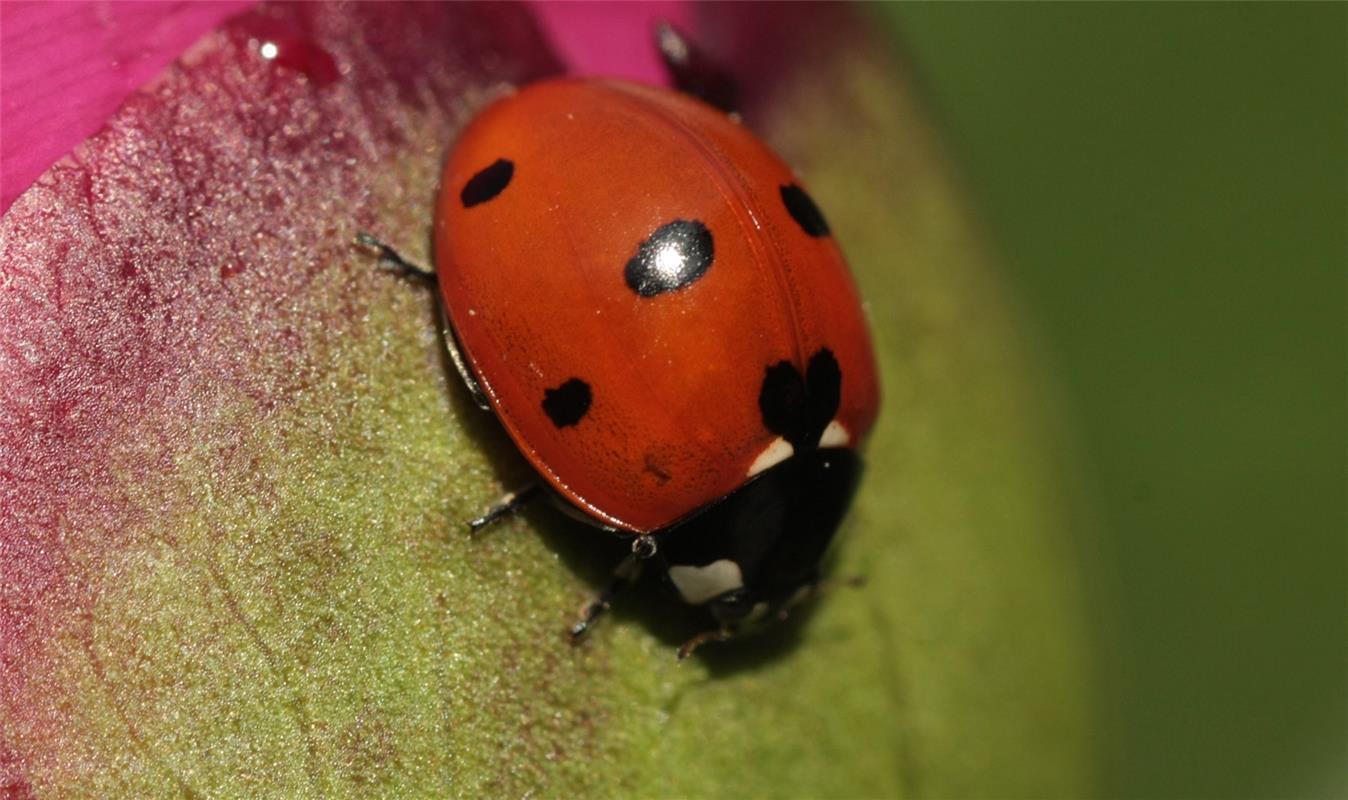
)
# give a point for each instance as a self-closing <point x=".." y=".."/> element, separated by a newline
<point x="392" y="261"/>
<point x="694" y="72"/>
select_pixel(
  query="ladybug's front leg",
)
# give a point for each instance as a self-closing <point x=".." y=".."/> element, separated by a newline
<point x="718" y="635"/>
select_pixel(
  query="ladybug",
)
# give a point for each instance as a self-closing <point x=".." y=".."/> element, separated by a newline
<point x="656" y="311"/>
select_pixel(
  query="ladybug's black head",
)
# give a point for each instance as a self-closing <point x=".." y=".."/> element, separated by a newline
<point x="756" y="552"/>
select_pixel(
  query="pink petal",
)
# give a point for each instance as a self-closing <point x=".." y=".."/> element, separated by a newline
<point x="65" y="67"/>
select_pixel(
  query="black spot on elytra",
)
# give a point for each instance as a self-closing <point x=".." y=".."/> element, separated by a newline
<point x="568" y="403"/>
<point x="798" y="408"/>
<point x="782" y="399"/>
<point x="487" y="183"/>
<point x="803" y="210"/>
<point x="677" y="254"/>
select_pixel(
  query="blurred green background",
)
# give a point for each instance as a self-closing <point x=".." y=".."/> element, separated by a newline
<point x="1165" y="185"/>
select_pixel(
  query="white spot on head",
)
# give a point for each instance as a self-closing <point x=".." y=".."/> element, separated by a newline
<point x="835" y="435"/>
<point x="269" y="50"/>
<point x="774" y="454"/>
<point x="700" y="584"/>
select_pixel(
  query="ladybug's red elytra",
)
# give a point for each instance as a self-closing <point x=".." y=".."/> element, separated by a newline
<point x="656" y="310"/>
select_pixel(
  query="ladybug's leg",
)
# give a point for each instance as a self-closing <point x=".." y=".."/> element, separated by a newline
<point x="393" y="261"/>
<point x="719" y="635"/>
<point x="451" y="340"/>
<point x="626" y="573"/>
<point x="693" y="72"/>
<point x="629" y="569"/>
<point x="509" y="504"/>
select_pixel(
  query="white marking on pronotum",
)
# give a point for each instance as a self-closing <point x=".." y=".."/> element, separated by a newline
<point x="835" y="435"/>
<point x="774" y="454"/>
<point x="700" y="584"/>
